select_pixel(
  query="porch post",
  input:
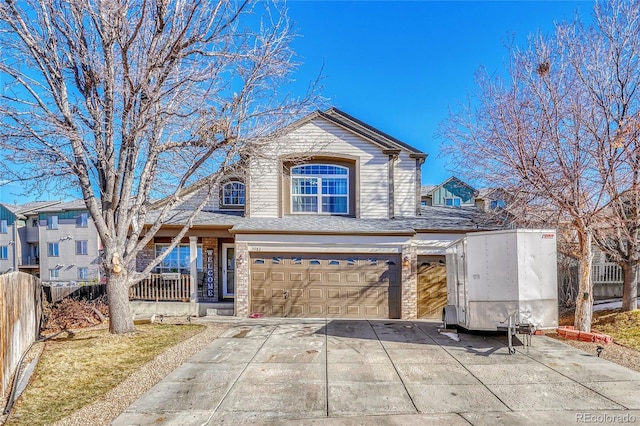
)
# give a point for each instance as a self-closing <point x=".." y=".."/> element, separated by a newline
<point x="193" y="267"/>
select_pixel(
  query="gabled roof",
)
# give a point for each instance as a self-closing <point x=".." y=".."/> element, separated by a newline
<point x="52" y="206"/>
<point x="362" y="129"/>
<point x="434" y="188"/>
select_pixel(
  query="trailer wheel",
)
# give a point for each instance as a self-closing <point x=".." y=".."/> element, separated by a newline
<point x="445" y="322"/>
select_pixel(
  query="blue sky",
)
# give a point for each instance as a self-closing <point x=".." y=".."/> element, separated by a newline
<point x="400" y="66"/>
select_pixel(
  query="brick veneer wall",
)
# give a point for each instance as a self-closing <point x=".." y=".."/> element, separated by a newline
<point x="145" y="256"/>
<point x="409" y="288"/>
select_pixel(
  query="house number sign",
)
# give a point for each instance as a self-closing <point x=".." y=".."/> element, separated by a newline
<point x="209" y="273"/>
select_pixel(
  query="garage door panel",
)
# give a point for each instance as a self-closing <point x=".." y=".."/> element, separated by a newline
<point x="295" y="277"/>
<point x="344" y="285"/>
<point x="333" y="277"/>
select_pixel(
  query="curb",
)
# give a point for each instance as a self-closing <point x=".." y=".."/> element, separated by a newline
<point x="569" y="332"/>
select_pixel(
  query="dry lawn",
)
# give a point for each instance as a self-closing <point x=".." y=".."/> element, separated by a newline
<point x="76" y="370"/>
<point x="624" y="327"/>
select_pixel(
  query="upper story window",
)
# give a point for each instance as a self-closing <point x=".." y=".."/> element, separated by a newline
<point x="53" y="249"/>
<point x="3" y="226"/>
<point x="82" y="247"/>
<point x="52" y="222"/>
<point x="4" y="252"/>
<point x="453" y="202"/>
<point x="35" y="222"/>
<point x="83" y="273"/>
<point x="497" y="204"/>
<point x="320" y="188"/>
<point x="82" y="220"/>
<point x="233" y="194"/>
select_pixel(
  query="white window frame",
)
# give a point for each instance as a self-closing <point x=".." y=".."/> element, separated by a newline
<point x="82" y="247"/>
<point x="82" y="220"/>
<point x="3" y="226"/>
<point x="83" y="273"/>
<point x="50" y="251"/>
<point x="52" y="222"/>
<point x="233" y="194"/>
<point x="163" y="268"/>
<point x="54" y="274"/>
<point x="4" y="252"/>
<point x="319" y="195"/>
<point x="453" y="201"/>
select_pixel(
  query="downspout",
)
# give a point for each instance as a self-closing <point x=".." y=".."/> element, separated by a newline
<point x="419" y="162"/>
<point x="393" y="156"/>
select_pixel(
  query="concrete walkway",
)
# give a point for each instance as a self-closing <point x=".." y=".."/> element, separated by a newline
<point x="385" y="372"/>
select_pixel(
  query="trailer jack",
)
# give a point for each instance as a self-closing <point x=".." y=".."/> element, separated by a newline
<point x="512" y="328"/>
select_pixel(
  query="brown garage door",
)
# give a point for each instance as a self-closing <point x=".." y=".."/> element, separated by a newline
<point x="325" y="285"/>
<point x="432" y="286"/>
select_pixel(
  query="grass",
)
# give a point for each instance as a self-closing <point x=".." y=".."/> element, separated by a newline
<point x="76" y="371"/>
<point x="624" y="327"/>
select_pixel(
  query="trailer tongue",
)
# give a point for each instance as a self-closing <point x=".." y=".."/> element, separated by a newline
<point x="503" y="281"/>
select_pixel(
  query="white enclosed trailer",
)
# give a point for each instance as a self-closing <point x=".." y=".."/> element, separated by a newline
<point x="503" y="278"/>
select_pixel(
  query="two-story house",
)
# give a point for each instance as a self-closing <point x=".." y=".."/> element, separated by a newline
<point x="326" y="222"/>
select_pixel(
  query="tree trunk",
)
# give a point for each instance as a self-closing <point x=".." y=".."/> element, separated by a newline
<point x="120" y="319"/>
<point x="629" y="288"/>
<point x="584" y="299"/>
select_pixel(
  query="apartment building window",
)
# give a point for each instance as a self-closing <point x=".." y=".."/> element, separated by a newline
<point x="52" y="222"/>
<point x="53" y="249"/>
<point x="4" y="252"/>
<point x="54" y="274"/>
<point x="83" y="273"/>
<point x="82" y="220"/>
<point x="82" y="247"/>
<point x="3" y="226"/>
<point x="35" y="223"/>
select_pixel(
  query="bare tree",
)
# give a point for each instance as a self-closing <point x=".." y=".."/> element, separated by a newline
<point x="548" y="132"/>
<point x="131" y="101"/>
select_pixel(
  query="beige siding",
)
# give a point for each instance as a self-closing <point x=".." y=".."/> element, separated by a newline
<point x="315" y="138"/>
<point x="405" y="186"/>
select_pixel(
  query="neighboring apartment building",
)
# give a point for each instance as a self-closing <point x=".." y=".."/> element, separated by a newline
<point x="55" y="241"/>
<point x="8" y="238"/>
<point x="327" y="222"/>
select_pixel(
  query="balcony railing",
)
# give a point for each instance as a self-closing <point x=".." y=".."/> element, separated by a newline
<point x="607" y="273"/>
<point x="162" y="287"/>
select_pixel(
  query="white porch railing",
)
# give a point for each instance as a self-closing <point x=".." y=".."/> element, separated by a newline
<point x="163" y="287"/>
<point x="607" y="273"/>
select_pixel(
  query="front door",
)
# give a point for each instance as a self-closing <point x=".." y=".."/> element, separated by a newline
<point x="228" y="270"/>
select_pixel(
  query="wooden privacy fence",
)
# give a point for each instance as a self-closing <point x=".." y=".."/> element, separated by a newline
<point x="163" y="287"/>
<point x="20" y="316"/>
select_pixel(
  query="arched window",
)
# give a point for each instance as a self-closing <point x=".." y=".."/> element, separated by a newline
<point x="320" y="188"/>
<point x="233" y="194"/>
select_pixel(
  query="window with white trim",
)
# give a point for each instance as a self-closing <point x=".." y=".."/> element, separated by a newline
<point x="83" y="273"/>
<point x="453" y="202"/>
<point x="82" y="247"/>
<point x="178" y="259"/>
<point x="82" y="220"/>
<point x="233" y="194"/>
<point x="54" y="274"/>
<point x="53" y="249"/>
<point x="52" y="222"/>
<point x="4" y="252"/>
<point x="320" y="189"/>
<point x="3" y="226"/>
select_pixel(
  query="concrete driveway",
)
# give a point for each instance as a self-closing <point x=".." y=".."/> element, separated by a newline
<point x="385" y="372"/>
